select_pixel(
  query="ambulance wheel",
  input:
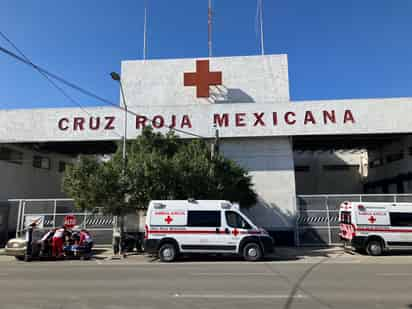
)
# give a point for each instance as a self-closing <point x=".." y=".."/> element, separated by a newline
<point x="252" y="252"/>
<point x="374" y="248"/>
<point x="167" y="252"/>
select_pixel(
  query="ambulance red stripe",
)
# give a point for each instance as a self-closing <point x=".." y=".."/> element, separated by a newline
<point x="195" y="232"/>
<point x="361" y="229"/>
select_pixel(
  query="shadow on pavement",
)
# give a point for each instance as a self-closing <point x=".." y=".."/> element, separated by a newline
<point x="230" y="258"/>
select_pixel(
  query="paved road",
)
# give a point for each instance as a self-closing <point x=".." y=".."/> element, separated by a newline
<point x="337" y="281"/>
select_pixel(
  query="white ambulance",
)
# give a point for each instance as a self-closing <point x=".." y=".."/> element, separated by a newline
<point x="376" y="227"/>
<point x="176" y="227"/>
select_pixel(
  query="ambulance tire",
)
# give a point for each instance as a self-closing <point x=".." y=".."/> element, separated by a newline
<point x="374" y="247"/>
<point x="252" y="252"/>
<point x="167" y="252"/>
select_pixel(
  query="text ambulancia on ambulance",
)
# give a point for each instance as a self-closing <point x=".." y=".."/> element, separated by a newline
<point x="376" y="227"/>
<point x="176" y="227"/>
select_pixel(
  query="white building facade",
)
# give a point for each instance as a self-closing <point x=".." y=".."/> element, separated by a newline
<point x="247" y="99"/>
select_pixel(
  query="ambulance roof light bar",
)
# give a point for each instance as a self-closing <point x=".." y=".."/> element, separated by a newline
<point x="226" y="205"/>
<point x="361" y="208"/>
<point x="159" y="205"/>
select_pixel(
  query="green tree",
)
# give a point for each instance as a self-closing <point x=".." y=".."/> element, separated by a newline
<point x="158" y="167"/>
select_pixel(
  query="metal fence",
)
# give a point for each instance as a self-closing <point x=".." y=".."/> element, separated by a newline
<point x="317" y="218"/>
<point x="51" y="214"/>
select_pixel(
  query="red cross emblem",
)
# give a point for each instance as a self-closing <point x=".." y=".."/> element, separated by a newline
<point x="202" y="78"/>
<point x="235" y="232"/>
<point x="372" y="219"/>
<point x="168" y="219"/>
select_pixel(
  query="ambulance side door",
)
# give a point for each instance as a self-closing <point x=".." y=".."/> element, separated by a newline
<point x="235" y="228"/>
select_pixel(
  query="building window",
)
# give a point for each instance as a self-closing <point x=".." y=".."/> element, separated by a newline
<point x="41" y="162"/>
<point x="203" y="218"/>
<point x="62" y="166"/>
<point x="376" y="163"/>
<point x="340" y="167"/>
<point x="302" y="168"/>
<point x="401" y="218"/>
<point x="394" y="157"/>
<point x="11" y="155"/>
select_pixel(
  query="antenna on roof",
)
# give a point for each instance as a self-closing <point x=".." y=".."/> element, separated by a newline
<point x="145" y="30"/>
<point x="259" y="14"/>
<point x="209" y="23"/>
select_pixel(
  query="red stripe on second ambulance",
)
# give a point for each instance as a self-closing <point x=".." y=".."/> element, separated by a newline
<point x="362" y="229"/>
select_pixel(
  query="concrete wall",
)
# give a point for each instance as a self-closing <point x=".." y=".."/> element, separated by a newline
<point x="246" y="79"/>
<point x="313" y="176"/>
<point x="270" y="162"/>
<point x="25" y="181"/>
<point x="389" y="171"/>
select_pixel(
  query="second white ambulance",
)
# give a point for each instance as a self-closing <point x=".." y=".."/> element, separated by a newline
<point x="176" y="227"/>
<point x="376" y="227"/>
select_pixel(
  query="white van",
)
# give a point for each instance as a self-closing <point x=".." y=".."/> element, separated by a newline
<point x="202" y="226"/>
<point x="376" y="227"/>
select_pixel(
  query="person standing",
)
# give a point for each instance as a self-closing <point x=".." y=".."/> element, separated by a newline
<point x="29" y="239"/>
<point x="45" y="243"/>
<point x="86" y="240"/>
<point x="57" y="242"/>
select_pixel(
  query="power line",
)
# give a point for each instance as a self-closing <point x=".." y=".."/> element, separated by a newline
<point x="87" y="92"/>
<point x="52" y="82"/>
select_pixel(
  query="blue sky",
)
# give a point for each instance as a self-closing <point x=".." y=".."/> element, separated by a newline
<point x="336" y="49"/>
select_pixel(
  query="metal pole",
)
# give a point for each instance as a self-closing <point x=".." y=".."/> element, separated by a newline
<point x="54" y="213"/>
<point x="125" y="125"/>
<point x="262" y="45"/>
<point x="328" y="220"/>
<point x="22" y="216"/>
<point x="124" y="158"/>
<point x="297" y="238"/>
<point x="145" y="30"/>
<point x="18" y="219"/>
<point x="85" y="219"/>
<point x="209" y="22"/>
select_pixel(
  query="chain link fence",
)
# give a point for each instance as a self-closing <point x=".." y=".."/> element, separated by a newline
<point x="317" y="221"/>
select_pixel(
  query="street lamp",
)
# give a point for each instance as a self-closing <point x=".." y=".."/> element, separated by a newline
<point x="116" y="77"/>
